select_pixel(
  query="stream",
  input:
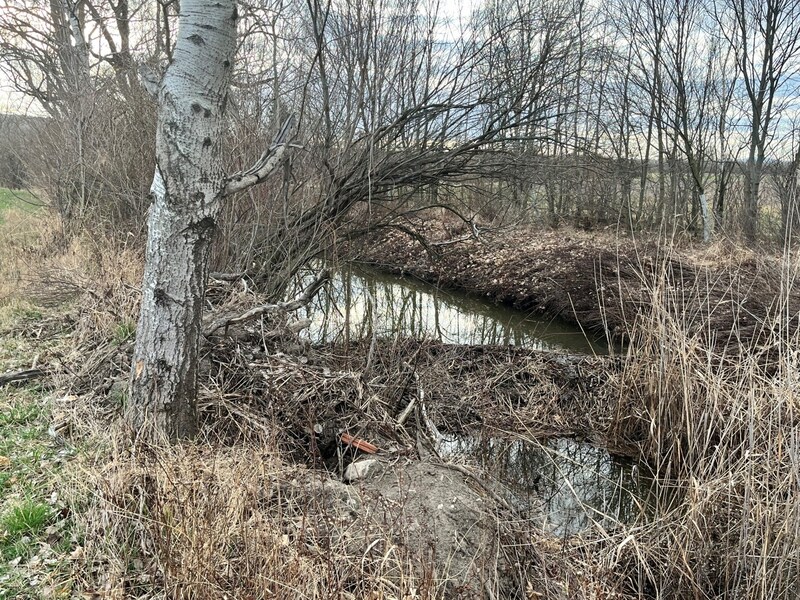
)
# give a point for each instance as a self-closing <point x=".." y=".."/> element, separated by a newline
<point x="575" y="484"/>
<point x="360" y="301"/>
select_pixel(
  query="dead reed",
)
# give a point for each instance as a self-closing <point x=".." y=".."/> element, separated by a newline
<point x="719" y="425"/>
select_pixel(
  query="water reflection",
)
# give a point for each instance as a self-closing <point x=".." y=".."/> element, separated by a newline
<point x="574" y="482"/>
<point x="361" y="300"/>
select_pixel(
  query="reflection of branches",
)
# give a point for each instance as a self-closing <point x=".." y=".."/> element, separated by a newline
<point x="417" y="309"/>
<point x="575" y="481"/>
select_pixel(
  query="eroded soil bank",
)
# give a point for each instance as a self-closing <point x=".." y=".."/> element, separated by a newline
<point x="601" y="281"/>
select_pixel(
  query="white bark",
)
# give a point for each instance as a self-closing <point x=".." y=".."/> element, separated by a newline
<point x="708" y="221"/>
<point x="186" y="200"/>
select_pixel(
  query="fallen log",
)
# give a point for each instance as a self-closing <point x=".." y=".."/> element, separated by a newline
<point x="20" y="376"/>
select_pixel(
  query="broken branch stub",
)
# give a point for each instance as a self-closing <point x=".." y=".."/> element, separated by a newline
<point x="267" y="163"/>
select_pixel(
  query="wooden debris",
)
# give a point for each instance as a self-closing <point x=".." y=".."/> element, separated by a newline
<point x="359" y="444"/>
<point x="19" y="376"/>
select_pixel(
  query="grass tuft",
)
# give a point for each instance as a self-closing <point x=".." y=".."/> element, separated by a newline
<point x="27" y="518"/>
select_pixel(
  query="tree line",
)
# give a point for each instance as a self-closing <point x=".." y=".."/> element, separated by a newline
<point x="645" y="114"/>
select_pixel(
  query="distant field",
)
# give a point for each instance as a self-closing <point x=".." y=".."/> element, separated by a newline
<point x="22" y="200"/>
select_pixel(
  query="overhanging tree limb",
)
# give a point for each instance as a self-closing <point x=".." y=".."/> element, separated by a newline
<point x="265" y="165"/>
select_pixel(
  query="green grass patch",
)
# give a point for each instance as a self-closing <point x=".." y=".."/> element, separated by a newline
<point x="36" y="532"/>
<point x="27" y="313"/>
<point x="28" y="518"/>
<point x="18" y="314"/>
<point x="22" y="200"/>
<point x="124" y="331"/>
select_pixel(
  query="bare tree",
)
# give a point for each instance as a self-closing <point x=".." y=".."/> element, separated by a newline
<point x="46" y="57"/>
<point x="765" y="38"/>
<point x="188" y="189"/>
<point x="783" y="175"/>
<point x="645" y="26"/>
<point x="690" y="61"/>
<point x="74" y="59"/>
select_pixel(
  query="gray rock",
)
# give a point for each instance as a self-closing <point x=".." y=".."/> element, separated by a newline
<point x="362" y="470"/>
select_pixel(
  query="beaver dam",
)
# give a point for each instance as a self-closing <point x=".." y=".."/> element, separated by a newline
<point x="569" y="482"/>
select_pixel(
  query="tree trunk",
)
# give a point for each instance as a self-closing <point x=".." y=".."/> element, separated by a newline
<point x="753" y="183"/>
<point x="708" y="222"/>
<point x="187" y="189"/>
<point x="722" y="186"/>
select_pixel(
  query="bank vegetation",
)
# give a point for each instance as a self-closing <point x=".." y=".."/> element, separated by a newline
<point x="256" y="505"/>
<point x="629" y="167"/>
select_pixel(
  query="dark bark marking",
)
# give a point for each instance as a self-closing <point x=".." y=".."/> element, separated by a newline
<point x="196" y="39"/>
<point x="161" y="296"/>
<point x="207" y="113"/>
<point x="205" y="224"/>
<point x="196" y="108"/>
<point x="206" y="143"/>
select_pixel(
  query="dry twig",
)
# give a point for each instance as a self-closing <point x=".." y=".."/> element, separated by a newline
<point x="258" y="311"/>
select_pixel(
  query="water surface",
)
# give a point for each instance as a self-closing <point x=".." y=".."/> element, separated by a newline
<point x="361" y="300"/>
<point x="575" y="483"/>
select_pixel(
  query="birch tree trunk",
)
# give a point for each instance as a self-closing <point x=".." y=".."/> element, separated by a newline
<point x="708" y="221"/>
<point x="187" y="191"/>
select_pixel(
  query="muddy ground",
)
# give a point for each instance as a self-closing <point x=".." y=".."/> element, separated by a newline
<point x="600" y="281"/>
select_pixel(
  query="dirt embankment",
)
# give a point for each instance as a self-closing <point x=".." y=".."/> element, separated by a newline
<point x="725" y="294"/>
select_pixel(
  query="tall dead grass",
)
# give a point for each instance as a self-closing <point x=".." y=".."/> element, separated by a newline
<point x="721" y="428"/>
<point x="20" y="239"/>
<point x="204" y="520"/>
<point x="40" y="265"/>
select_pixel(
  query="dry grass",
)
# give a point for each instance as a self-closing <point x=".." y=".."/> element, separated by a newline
<point x="21" y="235"/>
<point x="245" y="513"/>
<point x="209" y="521"/>
<point x="722" y="434"/>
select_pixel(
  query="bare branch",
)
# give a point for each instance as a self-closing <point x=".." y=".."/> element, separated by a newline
<point x="254" y="313"/>
<point x="265" y="165"/>
<point x="20" y="376"/>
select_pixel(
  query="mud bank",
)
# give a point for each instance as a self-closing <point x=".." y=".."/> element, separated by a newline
<point x="601" y="282"/>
